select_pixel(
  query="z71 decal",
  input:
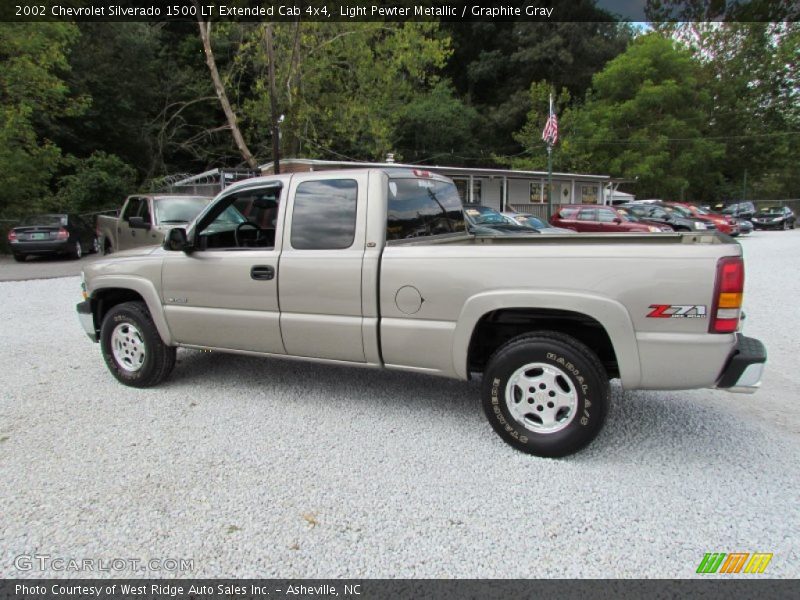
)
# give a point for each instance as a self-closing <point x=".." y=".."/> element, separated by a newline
<point x="677" y="311"/>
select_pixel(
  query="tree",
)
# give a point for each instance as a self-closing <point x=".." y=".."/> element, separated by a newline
<point x="494" y="63"/>
<point x="750" y="71"/>
<point x="645" y="120"/>
<point x="342" y="87"/>
<point x="98" y="182"/>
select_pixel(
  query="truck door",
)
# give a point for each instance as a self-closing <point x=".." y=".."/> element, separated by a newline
<point x="321" y="267"/>
<point x="225" y="293"/>
<point x="123" y="233"/>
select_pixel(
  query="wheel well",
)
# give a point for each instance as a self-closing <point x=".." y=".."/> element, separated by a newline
<point x="105" y="299"/>
<point x="497" y="327"/>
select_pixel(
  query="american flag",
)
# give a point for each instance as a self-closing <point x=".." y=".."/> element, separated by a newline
<point x="550" y="132"/>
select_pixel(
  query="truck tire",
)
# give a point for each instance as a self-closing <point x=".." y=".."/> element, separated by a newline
<point x="132" y="347"/>
<point x="107" y="248"/>
<point x="545" y="393"/>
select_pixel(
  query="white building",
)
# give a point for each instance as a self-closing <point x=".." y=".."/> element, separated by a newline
<point x="503" y="189"/>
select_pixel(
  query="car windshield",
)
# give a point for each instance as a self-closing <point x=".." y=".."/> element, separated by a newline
<point x="773" y="211"/>
<point x="483" y="215"/>
<point x="626" y="216"/>
<point x="179" y="210"/>
<point x="531" y="221"/>
<point x="45" y="221"/>
<point x="681" y="210"/>
<point x="700" y="211"/>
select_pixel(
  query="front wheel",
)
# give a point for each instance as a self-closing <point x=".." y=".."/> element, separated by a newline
<point x="545" y="394"/>
<point x="132" y="347"/>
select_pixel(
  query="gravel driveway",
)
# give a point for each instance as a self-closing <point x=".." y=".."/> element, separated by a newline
<point x="267" y="468"/>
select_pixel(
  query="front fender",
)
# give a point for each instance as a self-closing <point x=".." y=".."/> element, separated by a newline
<point x="609" y="313"/>
<point x="143" y="287"/>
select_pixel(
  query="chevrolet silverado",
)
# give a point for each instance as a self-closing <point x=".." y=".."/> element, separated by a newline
<point x="375" y="267"/>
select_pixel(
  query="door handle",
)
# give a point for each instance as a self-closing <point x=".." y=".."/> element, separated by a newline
<point x="262" y="272"/>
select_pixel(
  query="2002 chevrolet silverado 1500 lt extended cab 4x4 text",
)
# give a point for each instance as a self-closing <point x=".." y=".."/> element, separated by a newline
<point x="374" y="267"/>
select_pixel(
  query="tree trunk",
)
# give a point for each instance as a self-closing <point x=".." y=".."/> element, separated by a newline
<point x="273" y="100"/>
<point x="205" y="35"/>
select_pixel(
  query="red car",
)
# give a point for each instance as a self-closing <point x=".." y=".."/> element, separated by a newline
<point x="724" y="223"/>
<point x="610" y="219"/>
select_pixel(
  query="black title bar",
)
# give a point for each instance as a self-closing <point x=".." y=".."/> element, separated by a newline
<point x="400" y="10"/>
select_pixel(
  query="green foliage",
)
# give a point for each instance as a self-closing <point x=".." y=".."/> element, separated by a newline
<point x="33" y="58"/>
<point x="342" y="87"/>
<point x="645" y="120"/>
<point x="495" y="63"/>
<point x="437" y="127"/>
<point x="100" y="181"/>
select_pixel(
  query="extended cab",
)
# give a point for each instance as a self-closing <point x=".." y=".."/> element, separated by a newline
<point x="374" y="267"/>
<point x="145" y="218"/>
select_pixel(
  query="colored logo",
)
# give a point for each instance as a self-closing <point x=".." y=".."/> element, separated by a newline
<point x="735" y="562"/>
<point x="677" y="311"/>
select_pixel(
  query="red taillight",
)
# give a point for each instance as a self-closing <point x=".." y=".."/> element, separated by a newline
<point x="420" y="173"/>
<point x="62" y="234"/>
<point x="12" y="236"/>
<point x="728" y="291"/>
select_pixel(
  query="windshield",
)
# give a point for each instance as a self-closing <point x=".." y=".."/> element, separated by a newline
<point x="483" y="215"/>
<point x="700" y="211"/>
<point x="626" y="216"/>
<point x="531" y="221"/>
<point x="681" y="210"/>
<point x="45" y="220"/>
<point x="772" y="211"/>
<point x="178" y="210"/>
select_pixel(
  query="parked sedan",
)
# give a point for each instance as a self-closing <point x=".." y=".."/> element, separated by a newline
<point x="52" y="234"/>
<point x="774" y="217"/>
<point x="724" y="223"/>
<point x="608" y="219"/>
<point x="666" y="215"/>
<point x="533" y="222"/>
<point x="484" y="220"/>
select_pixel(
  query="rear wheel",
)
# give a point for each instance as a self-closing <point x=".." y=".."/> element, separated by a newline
<point x="20" y="257"/>
<point x="107" y="247"/>
<point x="95" y="246"/>
<point x="77" y="250"/>
<point x="545" y="394"/>
<point x="132" y="347"/>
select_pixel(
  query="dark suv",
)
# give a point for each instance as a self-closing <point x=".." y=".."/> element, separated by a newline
<point x="740" y="210"/>
<point x="669" y="216"/>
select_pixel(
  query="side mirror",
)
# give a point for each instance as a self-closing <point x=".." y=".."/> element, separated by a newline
<point x="177" y="241"/>
<point x="138" y="223"/>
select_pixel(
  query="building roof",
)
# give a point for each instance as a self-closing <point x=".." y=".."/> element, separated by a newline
<point x="445" y="170"/>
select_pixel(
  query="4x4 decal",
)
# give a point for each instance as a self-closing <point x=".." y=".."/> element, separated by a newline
<point x="677" y="311"/>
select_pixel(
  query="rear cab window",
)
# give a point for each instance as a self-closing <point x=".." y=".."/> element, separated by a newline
<point x="421" y="207"/>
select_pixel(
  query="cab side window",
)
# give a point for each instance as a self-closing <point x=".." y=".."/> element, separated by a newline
<point x="324" y="215"/>
<point x="132" y="209"/>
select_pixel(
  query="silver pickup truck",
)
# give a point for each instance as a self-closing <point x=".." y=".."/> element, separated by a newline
<point x="374" y="267"/>
<point x="145" y="218"/>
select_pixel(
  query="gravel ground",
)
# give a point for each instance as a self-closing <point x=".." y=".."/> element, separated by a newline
<point x="274" y="468"/>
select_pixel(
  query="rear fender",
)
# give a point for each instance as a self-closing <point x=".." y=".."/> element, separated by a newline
<point x="609" y="313"/>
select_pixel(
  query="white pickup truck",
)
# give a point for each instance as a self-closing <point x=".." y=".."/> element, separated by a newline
<point x="144" y="219"/>
<point x="375" y="268"/>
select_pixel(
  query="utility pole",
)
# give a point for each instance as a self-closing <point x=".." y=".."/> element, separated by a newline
<point x="273" y="100"/>
<point x="744" y="186"/>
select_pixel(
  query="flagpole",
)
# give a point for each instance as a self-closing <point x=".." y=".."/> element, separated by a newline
<point x="550" y="167"/>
